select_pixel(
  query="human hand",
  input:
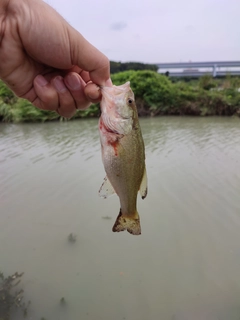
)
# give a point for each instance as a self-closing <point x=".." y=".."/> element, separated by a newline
<point x="46" y="61"/>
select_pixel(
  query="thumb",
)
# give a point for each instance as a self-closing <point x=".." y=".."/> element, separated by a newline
<point x="89" y="58"/>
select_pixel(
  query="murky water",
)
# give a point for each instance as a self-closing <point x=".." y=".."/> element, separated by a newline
<point x="186" y="263"/>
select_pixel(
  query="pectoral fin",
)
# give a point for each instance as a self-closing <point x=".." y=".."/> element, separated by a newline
<point x="143" y="187"/>
<point x="106" y="189"/>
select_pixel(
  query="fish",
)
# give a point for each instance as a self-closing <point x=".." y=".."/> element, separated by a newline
<point x="123" y="154"/>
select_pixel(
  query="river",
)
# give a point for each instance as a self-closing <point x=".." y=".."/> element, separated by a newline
<point x="186" y="263"/>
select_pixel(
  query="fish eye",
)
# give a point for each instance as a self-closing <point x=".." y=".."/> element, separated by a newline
<point x="130" y="101"/>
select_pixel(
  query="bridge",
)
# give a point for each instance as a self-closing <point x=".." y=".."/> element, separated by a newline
<point x="191" y="69"/>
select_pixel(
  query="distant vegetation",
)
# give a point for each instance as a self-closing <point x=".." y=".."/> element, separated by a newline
<point x="159" y="95"/>
<point x="116" y="67"/>
<point x="155" y="95"/>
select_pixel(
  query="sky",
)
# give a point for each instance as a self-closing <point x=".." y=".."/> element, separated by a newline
<point x="157" y="31"/>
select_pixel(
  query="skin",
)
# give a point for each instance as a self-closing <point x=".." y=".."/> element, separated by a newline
<point x="46" y="61"/>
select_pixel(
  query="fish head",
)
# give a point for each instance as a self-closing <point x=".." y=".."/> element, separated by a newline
<point x="118" y="108"/>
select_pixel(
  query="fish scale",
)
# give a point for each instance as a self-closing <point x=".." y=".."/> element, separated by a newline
<point x="123" y="154"/>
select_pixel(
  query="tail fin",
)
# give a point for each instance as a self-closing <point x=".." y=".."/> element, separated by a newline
<point x="132" y="225"/>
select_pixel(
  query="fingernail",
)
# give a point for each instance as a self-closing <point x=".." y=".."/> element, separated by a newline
<point x="73" y="82"/>
<point x="59" y="84"/>
<point x="41" y="81"/>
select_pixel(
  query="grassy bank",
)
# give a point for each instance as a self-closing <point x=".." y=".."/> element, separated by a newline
<point x="155" y="95"/>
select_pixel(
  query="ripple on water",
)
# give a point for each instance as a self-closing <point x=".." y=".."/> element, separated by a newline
<point x="186" y="261"/>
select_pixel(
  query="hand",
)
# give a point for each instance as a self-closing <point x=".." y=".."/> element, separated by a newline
<point x="43" y="59"/>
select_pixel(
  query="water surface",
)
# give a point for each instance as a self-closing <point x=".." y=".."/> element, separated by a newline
<point x="186" y="263"/>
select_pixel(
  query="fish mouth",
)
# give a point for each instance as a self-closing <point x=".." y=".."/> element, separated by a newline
<point x="115" y="90"/>
<point x="109" y="94"/>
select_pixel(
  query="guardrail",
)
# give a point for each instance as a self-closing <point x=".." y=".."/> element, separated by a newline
<point x="196" y="73"/>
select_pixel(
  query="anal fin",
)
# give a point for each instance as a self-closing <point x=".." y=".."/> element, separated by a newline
<point x="143" y="187"/>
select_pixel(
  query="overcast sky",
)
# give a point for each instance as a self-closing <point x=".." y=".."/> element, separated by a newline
<point x="152" y="31"/>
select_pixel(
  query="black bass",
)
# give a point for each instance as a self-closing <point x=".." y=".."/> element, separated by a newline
<point x="123" y="154"/>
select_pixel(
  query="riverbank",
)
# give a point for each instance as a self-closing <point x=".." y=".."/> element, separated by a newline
<point x="155" y="95"/>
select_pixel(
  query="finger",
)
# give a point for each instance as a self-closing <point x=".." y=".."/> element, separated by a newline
<point x="74" y="69"/>
<point x="47" y="96"/>
<point x="89" y="58"/>
<point x="67" y="106"/>
<point x="85" y="76"/>
<point x="92" y="92"/>
<point x="61" y="45"/>
<point x="75" y="85"/>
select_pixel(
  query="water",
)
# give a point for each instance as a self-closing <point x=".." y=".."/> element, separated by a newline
<point x="186" y="263"/>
